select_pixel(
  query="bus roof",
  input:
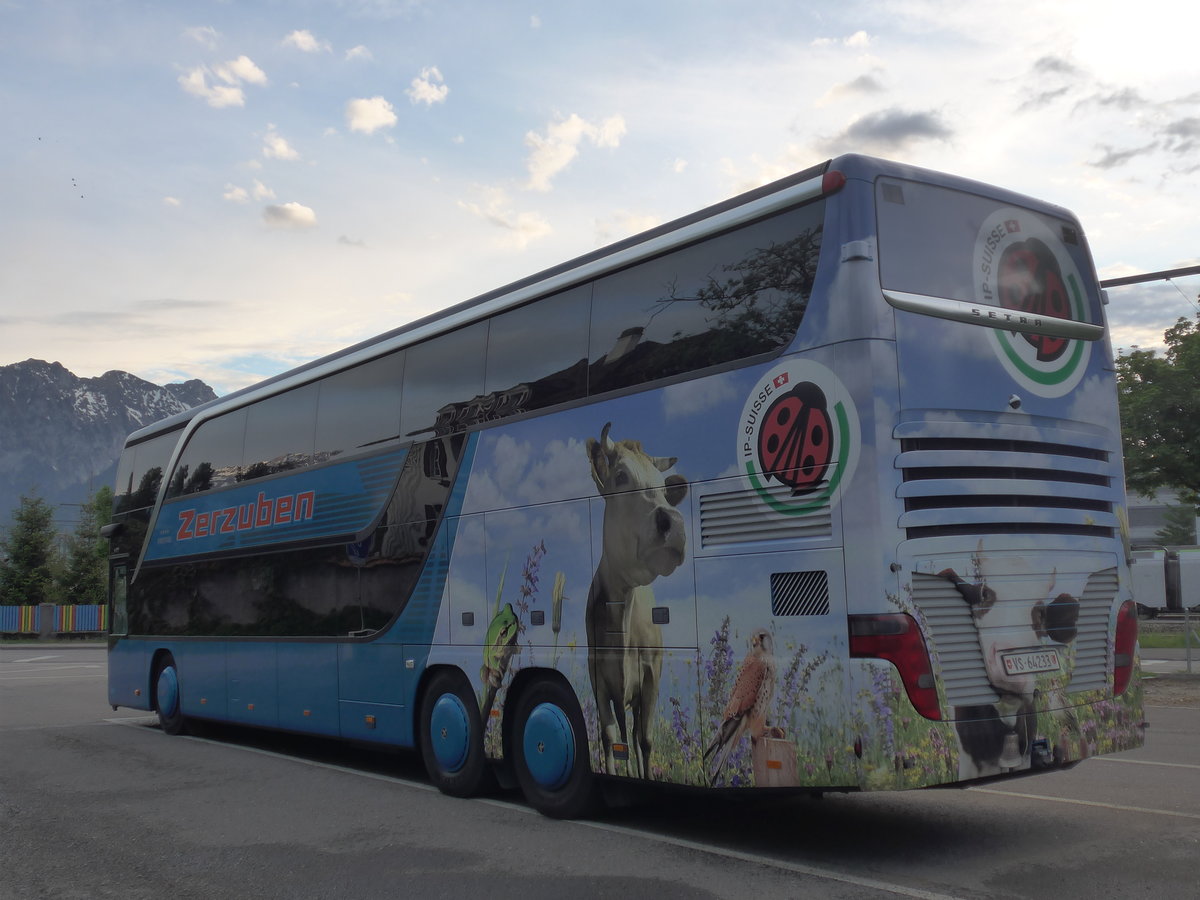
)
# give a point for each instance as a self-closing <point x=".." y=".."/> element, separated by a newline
<point x="558" y="277"/>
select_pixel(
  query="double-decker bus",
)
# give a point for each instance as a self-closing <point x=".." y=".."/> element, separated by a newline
<point x="818" y="488"/>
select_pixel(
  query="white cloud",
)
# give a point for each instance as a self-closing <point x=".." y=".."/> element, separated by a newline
<point x="496" y="209"/>
<point x="275" y="146"/>
<point x="553" y="151"/>
<point x="289" y="215"/>
<point x="623" y="224"/>
<point x="535" y="21"/>
<point x="205" y="35"/>
<point x="239" y="70"/>
<point x="428" y="87"/>
<point x="172" y="201"/>
<point x="235" y="194"/>
<point x="232" y="73"/>
<point x="304" y="40"/>
<point x="359" y="52"/>
<point x="858" y="40"/>
<point x="217" y="96"/>
<point x="369" y="115"/>
<point x="262" y="192"/>
<point x="678" y="165"/>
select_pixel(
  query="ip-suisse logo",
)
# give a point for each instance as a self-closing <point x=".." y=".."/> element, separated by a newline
<point x="1021" y="265"/>
<point x="800" y="432"/>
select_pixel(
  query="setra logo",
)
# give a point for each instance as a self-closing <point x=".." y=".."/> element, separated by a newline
<point x="1022" y="266"/>
<point x="799" y="438"/>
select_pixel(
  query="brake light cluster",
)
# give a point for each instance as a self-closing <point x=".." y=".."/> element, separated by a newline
<point x="897" y="638"/>
<point x="1124" y="646"/>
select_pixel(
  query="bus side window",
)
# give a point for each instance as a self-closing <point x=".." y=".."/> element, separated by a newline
<point x="733" y="296"/>
<point x="359" y="409"/>
<point x="213" y="456"/>
<point x="537" y="354"/>
<point x="443" y="384"/>
<point x="119" y="617"/>
<point x="279" y="433"/>
<point x="140" y="472"/>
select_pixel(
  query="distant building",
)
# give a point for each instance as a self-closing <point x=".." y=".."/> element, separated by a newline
<point x="1148" y="515"/>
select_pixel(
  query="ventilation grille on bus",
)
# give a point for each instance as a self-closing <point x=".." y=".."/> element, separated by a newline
<point x="1091" y="640"/>
<point x="799" y="593"/>
<point x="954" y="636"/>
<point x="965" y="478"/>
<point x="952" y="632"/>
<point x="743" y="517"/>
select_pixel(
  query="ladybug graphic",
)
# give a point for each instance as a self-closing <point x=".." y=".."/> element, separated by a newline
<point x="795" y="443"/>
<point x="1030" y="281"/>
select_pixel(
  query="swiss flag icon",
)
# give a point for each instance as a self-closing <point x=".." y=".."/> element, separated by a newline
<point x="781" y="380"/>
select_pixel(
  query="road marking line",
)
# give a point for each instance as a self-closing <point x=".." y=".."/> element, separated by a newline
<point x="32" y="677"/>
<point x="1147" y="762"/>
<point x="757" y="859"/>
<point x="65" y="666"/>
<point x="796" y="868"/>
<point x="33" y="659"/>
<point x="1074" y="802"/>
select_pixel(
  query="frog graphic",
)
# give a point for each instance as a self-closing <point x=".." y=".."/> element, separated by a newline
<point x="498" y="648"/>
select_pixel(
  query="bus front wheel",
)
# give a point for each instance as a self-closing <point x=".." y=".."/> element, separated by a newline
<point x="550" y="752"/>
<point x="167" y="698"/>
<point x="452" y="736"/>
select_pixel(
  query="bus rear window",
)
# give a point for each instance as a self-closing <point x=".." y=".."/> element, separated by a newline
<point x="950" y="244"/>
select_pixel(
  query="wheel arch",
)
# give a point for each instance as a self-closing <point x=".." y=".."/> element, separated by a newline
<point x="157" y="661"/>
<point x="522" y="681"/>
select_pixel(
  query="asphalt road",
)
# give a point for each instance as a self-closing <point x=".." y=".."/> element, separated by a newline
<point x="97" y="804"/>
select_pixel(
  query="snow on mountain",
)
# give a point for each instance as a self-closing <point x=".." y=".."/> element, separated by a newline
<point x="61" y="435"/>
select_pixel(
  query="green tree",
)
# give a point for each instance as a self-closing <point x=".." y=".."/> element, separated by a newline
<point x="83" y="575"/>
<point x="1179" y="526"/>
<point x="27" y="554"/>
<point x="1160" y="413"/>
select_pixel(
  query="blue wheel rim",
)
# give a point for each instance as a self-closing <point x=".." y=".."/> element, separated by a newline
<point x="168" y="691"/>
<point x="549" y="746"/>
<point x="450" y="732"/>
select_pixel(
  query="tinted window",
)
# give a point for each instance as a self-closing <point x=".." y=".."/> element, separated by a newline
<point x="726" y="298"/>
<point x="537" y="354"/>
<point x="213" y="455"/>
<point x="279" y="433"/>
<point x="959" y="246"/>
<point x="443" y="384"/>
<point x="140" y="472"/>
<point x="359" y="409"/>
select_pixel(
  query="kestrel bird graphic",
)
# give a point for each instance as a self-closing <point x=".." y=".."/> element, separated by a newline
<point x="749" y="701"/>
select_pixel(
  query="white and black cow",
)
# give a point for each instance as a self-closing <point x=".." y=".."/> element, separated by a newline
<point x="998" y="737"/>
<point x="643" y="538"/>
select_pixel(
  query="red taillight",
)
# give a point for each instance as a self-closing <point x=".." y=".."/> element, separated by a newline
<point x="832" y="181"/>
<point x="897" y="638"/>
<point x="1124" y="647"/>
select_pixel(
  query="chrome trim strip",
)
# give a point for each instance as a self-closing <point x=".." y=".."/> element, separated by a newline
<point x="993" y="316"/>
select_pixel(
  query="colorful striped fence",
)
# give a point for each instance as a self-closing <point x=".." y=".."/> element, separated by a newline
<point x="73" y="619"/>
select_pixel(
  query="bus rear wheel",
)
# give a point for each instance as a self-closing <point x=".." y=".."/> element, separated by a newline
<point x="550" y="752"/>
<point x="168" y="701"/>
<point x="452" y="736"/>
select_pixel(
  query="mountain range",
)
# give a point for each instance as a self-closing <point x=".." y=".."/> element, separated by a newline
<point x="60" y="435"/>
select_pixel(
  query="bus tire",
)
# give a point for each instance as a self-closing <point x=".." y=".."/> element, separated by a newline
<point x="168" y="700"/>
<point x="549" y="749"/>
<point x="452" y="736"/>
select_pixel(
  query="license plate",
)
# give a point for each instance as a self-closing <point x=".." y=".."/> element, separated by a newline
<point x="1030" y="661"/>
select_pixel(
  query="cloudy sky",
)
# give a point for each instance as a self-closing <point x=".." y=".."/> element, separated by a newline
<point x="223" y="190"/>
